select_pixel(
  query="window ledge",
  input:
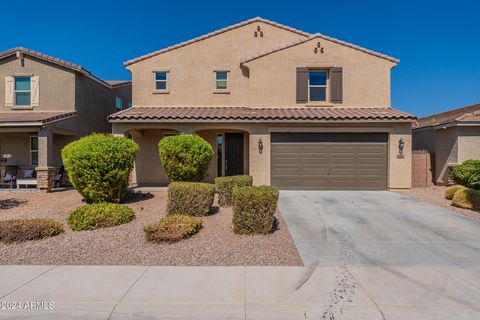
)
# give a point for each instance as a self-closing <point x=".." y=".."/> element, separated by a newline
<point x="22" y="108"/>
<point x="161" y="91"/>
<point x="318" y="104"/>
<point x="221" y="92"/>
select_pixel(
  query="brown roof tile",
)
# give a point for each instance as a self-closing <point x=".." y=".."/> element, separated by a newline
<point x="243" y="114"/>
<point x="464" y="114"/>
<point x="42" y="118"/>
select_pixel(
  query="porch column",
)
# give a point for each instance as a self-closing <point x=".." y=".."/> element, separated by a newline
<point x="259" y="162"/>
<point x="45" y="170"/>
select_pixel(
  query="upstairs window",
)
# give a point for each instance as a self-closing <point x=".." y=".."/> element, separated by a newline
<point x="118" y="103"/>
<point x="317" y="85"/>
<point x="221" y="80"/>
<point x="161" y="80"/>
<point x="22" y="91"/>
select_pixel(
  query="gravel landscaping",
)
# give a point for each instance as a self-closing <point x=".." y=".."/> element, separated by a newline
<point x="436" y="196"/>
<point x="215" y="244"/>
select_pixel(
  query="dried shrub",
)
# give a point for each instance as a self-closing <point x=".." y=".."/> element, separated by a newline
<point x="225" y="185"/>
<point x="191" y="198"/>
<point x="450" y="192"/>
<point x="172" y="228"/>
<point x="467" y="199"/>
<point x="28" y="229"/>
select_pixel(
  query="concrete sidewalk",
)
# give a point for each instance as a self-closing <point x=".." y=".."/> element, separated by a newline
<point x="137" y="292"/>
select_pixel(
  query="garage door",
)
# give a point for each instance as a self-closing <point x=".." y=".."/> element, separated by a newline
<point x="329" y="161"/>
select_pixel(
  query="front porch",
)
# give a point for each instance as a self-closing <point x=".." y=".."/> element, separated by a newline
<point x="230" y="145"/>
<point x="30" y="150"/>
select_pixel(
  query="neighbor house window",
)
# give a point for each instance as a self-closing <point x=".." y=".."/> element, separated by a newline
<point x="221" y="80"/>
<point x="34" y="151"/>
<point x="118" y="103"/>
<point x="22" y="91"/>
<point x="317" y="85"/>
<point x="161" y="80"/>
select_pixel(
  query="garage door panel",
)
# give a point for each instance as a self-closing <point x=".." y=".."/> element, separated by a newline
<point x="330" y="165"/>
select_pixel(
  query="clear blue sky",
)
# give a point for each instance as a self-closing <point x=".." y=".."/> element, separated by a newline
<point x="438" y="43"/>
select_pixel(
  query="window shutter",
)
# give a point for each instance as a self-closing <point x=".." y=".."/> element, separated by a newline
<point x="336" y="85"/>
<point x="9" y="91"/>
<point x="302" y="85"/>
<point x="35" y="86"/>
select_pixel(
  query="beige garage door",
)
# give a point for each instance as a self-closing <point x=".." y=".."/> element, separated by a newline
<point x="328" y="161"/>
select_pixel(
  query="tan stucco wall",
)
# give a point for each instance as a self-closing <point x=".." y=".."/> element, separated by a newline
<point x="191" y="68"/>
<point x="366" y="78"/>
<point x="444" y="144"/>
<point x="56" y="84"/>
<point x="18" y="145"/>
<point x="399" y="167"/>
<point x="468" y="143"/>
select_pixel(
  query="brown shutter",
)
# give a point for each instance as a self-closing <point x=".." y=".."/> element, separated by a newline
<point x="336" y="85"/>
<point x="302" y="85"/>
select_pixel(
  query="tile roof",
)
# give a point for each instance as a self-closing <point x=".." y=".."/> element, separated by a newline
<point x="258" y="19"/>
<point x="41" y="118"/>
<point x="320" y="36"/>
<point x="244" y="114"/>
<point x="464" y="114"/>
<point x="54" y="60"/>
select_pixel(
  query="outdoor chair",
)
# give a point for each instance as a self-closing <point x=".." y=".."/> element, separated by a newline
<point x="57" y="179"/>
<point x="10" y="176"/>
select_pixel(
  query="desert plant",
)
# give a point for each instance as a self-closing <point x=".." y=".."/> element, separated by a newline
<point x="254" y="209"/>
<point x="224" y="186"/>
<point x="467" y="199"/>
<point x="450" y="191"/>
<point x="185" y="157"/>
<point x="99" y="166"/>
<point x="99" y="215"/>
<point x="28" y="229"/>
<point x="191" y="198"/>
<point x="172" y="228"/>
<point x="467" y="174"/>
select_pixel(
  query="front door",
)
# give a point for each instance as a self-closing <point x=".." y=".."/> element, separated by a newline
<point x="233" y="153"/>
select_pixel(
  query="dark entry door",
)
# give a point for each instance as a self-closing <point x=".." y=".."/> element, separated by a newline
<point x="233" y="153"/>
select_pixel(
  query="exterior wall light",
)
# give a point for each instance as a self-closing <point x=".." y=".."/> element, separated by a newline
<point x="401" y="145"/>
<point x="260" y="145"/>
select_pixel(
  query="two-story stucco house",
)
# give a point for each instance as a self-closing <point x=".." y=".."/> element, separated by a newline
<point x="292" y="109"/>
<point x="46" y="103"/>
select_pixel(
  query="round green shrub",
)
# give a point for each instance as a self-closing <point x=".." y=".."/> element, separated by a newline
<point x="99" y="166"/>
<point x="450" y="191"/>
<point x="28" y="229"/>
<point x="224" y="186"/>
<point x="99" y="215"/>
<point x="467" y="174"/>
<point x="172" y="228"/>
<point x="185" y="157"/>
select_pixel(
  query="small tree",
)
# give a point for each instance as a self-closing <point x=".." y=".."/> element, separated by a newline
<point x="185" y="157"/>
<point x="99" y="166"/>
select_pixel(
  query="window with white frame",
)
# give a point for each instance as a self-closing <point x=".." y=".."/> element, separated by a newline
<point x="118" y="103"/>
<point x="161" y="80"/>
<point x="221" y="80"/>
<point x="34" y="150"/>
<point x="22" y="91"/>
<point x="317" y="85"/>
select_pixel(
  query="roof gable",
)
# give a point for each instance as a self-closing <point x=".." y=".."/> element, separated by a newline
<point x="321" y="36"/>
<point x="469" y="113"/>
<point x="214" y="33"/>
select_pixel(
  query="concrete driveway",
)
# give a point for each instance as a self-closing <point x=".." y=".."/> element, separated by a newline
<point x="369" y="228"/>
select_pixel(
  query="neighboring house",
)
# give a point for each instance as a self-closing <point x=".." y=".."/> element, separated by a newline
<point x="46" y="103"/>
<point x="292" y="109"/>
<point x="453" y="137"/>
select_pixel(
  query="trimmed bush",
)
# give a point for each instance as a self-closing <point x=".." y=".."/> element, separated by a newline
<point x="99" y="215"/>
<point x="191" y="198"/>
<point x="450" y="192"/>
<point x="467" y="199"/>
<point x="172" y="228"/>
<point x="224" y="186"/>
<point x="28" y="229"/>
<point x="185" y="157"/>
<point x="254" y="209"/>
<point x="467" y="174"/>
<point x="99" y="166"/>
